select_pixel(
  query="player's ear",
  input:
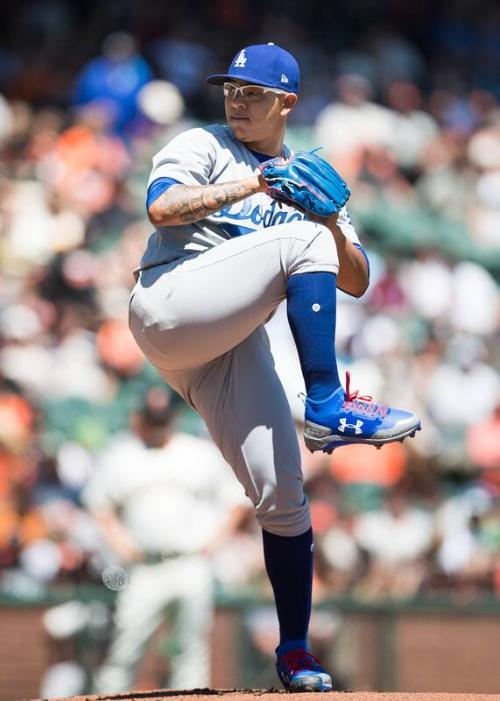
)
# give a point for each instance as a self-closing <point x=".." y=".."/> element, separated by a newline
<point x="289" y="102"/>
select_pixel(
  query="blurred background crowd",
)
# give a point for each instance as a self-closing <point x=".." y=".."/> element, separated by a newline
<point x="404" y="98"/>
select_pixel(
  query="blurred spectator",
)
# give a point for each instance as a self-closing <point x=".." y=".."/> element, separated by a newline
<point x="397" y="538"/>
<point x="466" y="552"/>
<point x="361" y="466"/>
<point x="182" y="61"/>
<point x="163" y="516"/>
<point x="342" y="555"/>
<point x="113" y="80"/>
<point x="412" y="128"/>
<point x="352" y="124"/>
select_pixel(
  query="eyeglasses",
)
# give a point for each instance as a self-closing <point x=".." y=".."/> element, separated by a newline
<point x="251" y="93"/>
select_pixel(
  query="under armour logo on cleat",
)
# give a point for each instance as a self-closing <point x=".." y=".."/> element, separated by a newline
<point x="241" y="60"/>
<point x="357" y="426"/>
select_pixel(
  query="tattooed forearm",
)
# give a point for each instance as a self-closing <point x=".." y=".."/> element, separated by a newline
<point x="184" y="204"/>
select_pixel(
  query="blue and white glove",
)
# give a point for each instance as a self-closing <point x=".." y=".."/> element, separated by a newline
<point x="307" y="181"/>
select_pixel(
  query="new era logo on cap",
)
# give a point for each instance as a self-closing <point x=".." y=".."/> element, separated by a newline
<point x="262" y="64"/>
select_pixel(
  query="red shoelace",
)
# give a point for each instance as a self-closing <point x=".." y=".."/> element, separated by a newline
<point x="364" y="403"/>
<point x="300" y="659"/>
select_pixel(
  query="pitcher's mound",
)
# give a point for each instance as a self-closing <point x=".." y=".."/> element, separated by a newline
<point x="275" y="695"/>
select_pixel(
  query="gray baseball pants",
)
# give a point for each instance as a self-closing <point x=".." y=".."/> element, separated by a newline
<point x="200" y="320"/>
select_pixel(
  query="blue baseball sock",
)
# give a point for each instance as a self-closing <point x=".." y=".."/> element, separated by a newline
<point x="289" y="565"/>
<point x="311" y="309"/>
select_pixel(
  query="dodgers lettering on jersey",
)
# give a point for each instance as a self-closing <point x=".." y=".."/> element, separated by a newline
<point x="206" y="156"/>
<point x="254" y="217"/>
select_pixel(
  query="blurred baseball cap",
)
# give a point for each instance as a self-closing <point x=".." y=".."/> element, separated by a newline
<point x="157" y="408"/>
<point x="262" y="64"/>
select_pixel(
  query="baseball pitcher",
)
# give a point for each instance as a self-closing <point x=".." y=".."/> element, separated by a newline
<point x="242" y="224"/>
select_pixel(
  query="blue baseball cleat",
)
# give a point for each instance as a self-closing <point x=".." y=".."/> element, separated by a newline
<point x="301" y="671"/>
<point x="345" y="418"/>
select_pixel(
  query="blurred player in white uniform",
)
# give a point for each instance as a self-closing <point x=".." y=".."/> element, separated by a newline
<point x="222" y="258"/>
<point x="164" y="500"/>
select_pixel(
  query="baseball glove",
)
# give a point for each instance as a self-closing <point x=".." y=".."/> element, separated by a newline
<point x="307" y="181"/>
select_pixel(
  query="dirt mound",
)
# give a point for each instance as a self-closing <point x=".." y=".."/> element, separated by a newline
<point x="275" y="695"/>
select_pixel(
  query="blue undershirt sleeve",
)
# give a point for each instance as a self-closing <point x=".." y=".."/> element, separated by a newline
<point x="157" y="188"/>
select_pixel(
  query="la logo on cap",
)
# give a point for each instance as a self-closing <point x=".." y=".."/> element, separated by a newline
<point x="241" y="60"/>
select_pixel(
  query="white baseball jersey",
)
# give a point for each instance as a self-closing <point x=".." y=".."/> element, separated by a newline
<point x="206" y="156"/>
<point x="171" y="499"/>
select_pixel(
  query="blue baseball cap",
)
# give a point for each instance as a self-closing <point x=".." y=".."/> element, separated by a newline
<point x="262" y="64"/>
